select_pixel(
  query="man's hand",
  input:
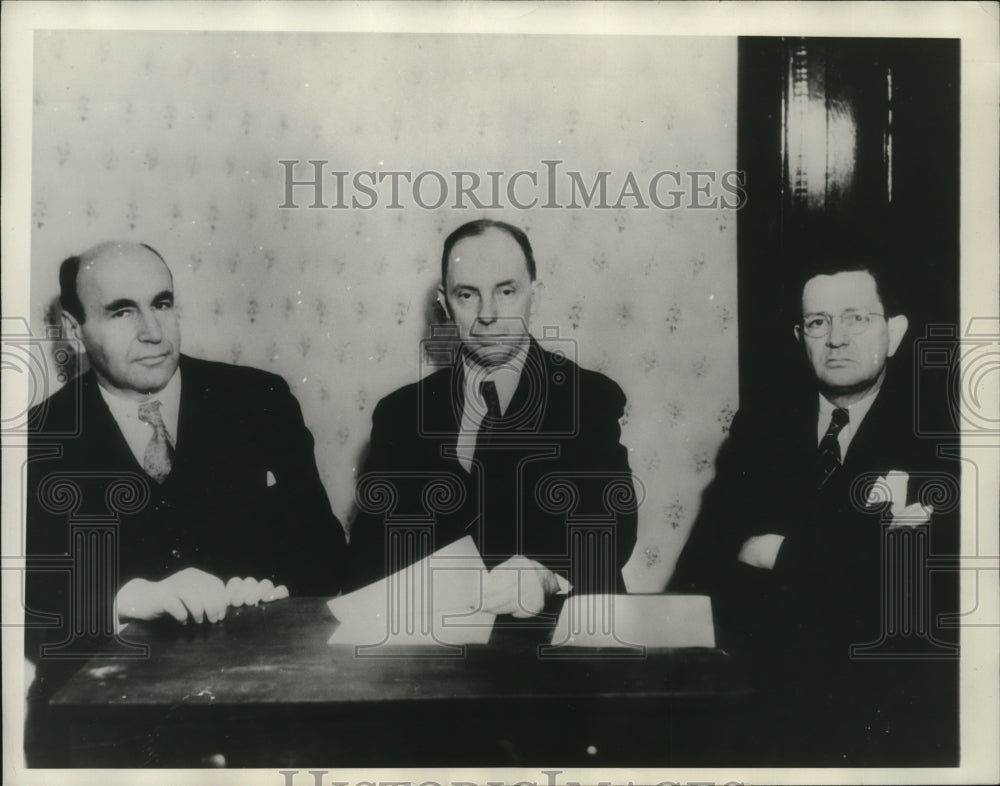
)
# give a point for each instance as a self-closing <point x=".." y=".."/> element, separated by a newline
<point x="518" y="586"/>
<point x="761" y="551"/>
<point x="250" y="592"/>
<point x="191" y="593"/>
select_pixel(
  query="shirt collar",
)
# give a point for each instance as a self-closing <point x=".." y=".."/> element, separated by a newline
<point x="505" y="376"/>
<point x="169" y="398"/>
<point x="856" y="411"/>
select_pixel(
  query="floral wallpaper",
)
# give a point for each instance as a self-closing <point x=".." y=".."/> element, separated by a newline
<point x="175" y="139"/>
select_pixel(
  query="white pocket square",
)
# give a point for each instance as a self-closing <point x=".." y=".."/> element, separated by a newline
<point x="270" y="479"/>
<point x="891" y="488"/>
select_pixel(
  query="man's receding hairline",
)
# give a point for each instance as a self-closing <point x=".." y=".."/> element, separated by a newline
<point x="486" y="232"/>
<point x="478" y="228"/>
<point x="116" y="248"/>
<point x="867" y="272"/>
<point x="847" y="272"/>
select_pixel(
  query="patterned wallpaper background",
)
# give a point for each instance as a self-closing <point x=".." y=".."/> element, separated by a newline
<point x="174" y="139"/>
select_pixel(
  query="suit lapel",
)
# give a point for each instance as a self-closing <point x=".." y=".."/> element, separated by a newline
<point x="868" y="448"/>
<point x="802" y="446"/>
<point x="187" y="412"/>
<point x="531" y="396"/>
<point x="105" y="441"/>
<point x="441" y="400"/>
<point x="195" y="421"/>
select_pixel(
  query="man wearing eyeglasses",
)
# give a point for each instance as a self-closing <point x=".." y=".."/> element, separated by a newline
<point x="848" y="338"/>
<point x="790" y="540"/>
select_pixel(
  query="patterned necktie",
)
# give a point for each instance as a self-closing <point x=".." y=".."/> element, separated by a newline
<point x="829" y="447"/>
<point x="157" y="460"/>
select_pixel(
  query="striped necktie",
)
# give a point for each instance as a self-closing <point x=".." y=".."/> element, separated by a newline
<point x="829" y="447"/>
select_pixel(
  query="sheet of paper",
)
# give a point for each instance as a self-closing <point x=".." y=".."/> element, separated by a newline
<point x="629" y="620"/>
<point x="434" y="601"/>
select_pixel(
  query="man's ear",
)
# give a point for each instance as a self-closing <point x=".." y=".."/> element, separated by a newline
<point x="443" y="303"/>
<point x="897" y="329"/>
<point x="71" y="328"/>
<point x="798" y="333"/>
<point x="536" y="296"/>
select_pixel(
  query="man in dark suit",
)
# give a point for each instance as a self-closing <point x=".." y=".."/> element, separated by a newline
<point x="205" y="470"/>
<point x="815" y="576"/>
<point x="521" y="444"/>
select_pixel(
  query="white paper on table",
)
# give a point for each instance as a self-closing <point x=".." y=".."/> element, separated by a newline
<point x="629" y="620"/>
<point x="434" y="601"/>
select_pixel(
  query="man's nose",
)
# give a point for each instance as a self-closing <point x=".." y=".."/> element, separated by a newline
<point x="838" y="335"/>
<point x="488" y="311"/>
<point x="149" y="328"/>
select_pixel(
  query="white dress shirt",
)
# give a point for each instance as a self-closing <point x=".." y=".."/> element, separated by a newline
<point x="125" y="411"/>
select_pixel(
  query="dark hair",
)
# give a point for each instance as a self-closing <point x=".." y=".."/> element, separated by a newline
<point x="154" y="251"/>
<point x="475" y="228"/>
<point x="69" y="300"/>
<point x="876" y="259"/>
<point x="69" y="271"/>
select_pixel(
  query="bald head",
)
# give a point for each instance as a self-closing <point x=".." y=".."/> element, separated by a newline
<point x="69" y="270"/>
<point x="118" y="300"/>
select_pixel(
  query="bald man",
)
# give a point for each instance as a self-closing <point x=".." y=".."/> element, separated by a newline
<point x="229" y="507"/>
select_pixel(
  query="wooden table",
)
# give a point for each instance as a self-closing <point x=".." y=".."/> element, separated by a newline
<point x="264" y="689"/>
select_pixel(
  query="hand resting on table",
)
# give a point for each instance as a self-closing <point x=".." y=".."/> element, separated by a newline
<point x="192" y="594"/>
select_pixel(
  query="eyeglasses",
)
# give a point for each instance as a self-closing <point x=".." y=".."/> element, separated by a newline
<point x="854" y="322"/>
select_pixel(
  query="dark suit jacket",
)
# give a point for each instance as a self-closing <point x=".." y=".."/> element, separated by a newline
<point x="244" y="496"/>
<point x="553" y="461"/>
<point x="795" y="624"/>
<point x="218" y="510"/>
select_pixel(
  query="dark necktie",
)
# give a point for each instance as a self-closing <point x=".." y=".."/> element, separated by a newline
<point x="488" y="390"/>
<point x="829" y="447"/>
<point x="498" y="533"/>
<point x="158" y="458"/>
